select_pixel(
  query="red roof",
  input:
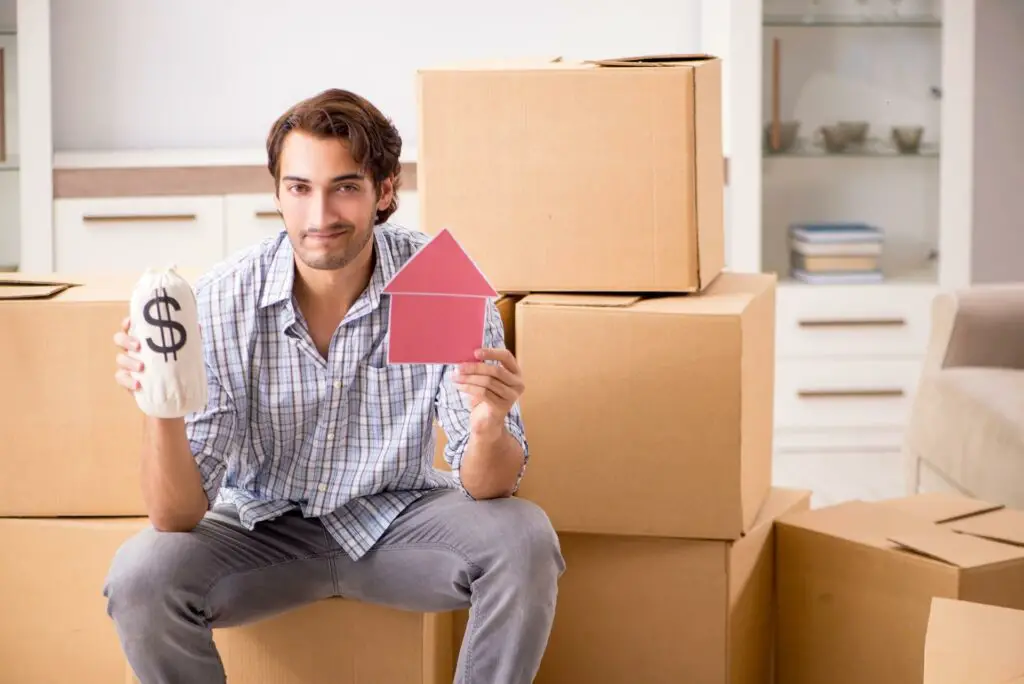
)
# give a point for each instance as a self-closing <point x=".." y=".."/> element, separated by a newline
<point x="440" y="267"/>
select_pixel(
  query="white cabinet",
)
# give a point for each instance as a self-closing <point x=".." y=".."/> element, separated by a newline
<point x="249" y="219"/>
<point x="126" y="234"/>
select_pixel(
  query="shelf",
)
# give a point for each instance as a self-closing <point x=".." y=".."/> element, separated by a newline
<point x="926" y="275"/>
<point x="10" y="165"/>
<point x="160" y="158"/>
<point x="853" y="21"/>
<point x="873" y="148"/>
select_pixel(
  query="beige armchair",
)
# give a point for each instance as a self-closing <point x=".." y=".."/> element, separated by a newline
<point x="966" y="428"/>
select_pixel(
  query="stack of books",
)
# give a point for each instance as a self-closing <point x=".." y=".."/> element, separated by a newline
<point x="823" y="253"/>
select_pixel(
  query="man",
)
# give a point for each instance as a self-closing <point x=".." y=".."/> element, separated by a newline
<point x="309" y="475"/>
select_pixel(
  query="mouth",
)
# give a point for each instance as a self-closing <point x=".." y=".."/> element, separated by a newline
<point x="326" y="237"/>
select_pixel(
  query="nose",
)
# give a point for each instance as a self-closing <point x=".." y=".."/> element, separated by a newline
<point x="319" y="211"/>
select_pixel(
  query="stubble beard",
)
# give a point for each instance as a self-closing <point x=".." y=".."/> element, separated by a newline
<point x="331" y="262"/>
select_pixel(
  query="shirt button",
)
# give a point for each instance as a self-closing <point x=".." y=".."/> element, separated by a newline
<point x="330" y="435"/>
<point x="322" y="487"/>
<point x="337" y="384"/>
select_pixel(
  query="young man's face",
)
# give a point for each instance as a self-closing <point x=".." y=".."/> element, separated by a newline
<point x="329" y="206"/>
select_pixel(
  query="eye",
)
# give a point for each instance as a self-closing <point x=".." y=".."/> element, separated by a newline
<point x="348" y="187"/>
<point x="299" y="189"/>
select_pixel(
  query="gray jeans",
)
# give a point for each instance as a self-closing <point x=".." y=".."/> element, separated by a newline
<point x="166" y="591"/>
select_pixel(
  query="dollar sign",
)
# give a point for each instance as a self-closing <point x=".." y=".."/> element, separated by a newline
<point x="169" y="345"/>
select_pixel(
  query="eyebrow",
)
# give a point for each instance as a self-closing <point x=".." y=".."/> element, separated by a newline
<point x="337" y="179"/>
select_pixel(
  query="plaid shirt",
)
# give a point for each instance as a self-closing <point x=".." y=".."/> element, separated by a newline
<point x="349" y="439"/>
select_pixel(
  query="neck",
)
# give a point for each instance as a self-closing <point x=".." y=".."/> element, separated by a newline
<point x="333" y="291"/>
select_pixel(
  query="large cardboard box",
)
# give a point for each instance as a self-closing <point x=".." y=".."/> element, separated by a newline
<point x="341" y="642"/>
<point x="640" y="609"/>
<point x="70" y="437"/>
<point x="969" y="643"/>
<point x="560" y="175"/>
<point x="856" y="581"/>
<point x="650" y="416"/>
<point x="55" y="626"/>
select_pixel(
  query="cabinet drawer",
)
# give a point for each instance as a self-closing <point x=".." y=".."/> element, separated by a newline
<point x="127" y="234"/>
<point x="858" y="321"/>
<point x="248" y="219"/>
<point x="841" y="476"/>
<point x="822" y="393"/>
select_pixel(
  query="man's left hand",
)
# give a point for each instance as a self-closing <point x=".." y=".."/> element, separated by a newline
<point x="492" y="389"/>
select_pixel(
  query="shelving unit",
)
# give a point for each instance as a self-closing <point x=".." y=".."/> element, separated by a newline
<point x="848" y="356"/>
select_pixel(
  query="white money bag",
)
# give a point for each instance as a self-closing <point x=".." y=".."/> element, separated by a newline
<point x="165" y="321"/>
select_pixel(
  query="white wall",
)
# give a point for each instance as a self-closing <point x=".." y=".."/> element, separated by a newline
<point x="136" y="74"/>
<point x="998" y="228"/>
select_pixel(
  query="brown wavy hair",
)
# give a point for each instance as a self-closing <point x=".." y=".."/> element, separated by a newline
<point x="374" y="142"/>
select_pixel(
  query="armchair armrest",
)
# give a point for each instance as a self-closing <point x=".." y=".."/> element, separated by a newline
<point x="982" y="325"/>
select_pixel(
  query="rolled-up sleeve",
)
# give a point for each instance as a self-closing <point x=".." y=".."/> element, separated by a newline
<point x="453" y="409"/>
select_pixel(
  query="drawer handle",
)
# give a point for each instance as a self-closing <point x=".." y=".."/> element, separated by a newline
<point x="266" y="214"/>
<point x="136" y="218"/>
<point x="853" y="323"/>
<point x="858" y="393"/>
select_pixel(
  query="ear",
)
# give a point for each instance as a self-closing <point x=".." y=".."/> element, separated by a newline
<point x="277" y="200"/>
<point x="387" y="192"/>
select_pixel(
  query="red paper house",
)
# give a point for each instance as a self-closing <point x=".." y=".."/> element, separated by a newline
<point x="438" y="304"/>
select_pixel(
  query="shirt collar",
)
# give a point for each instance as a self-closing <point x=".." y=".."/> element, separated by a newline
<point x="280" y="278"/>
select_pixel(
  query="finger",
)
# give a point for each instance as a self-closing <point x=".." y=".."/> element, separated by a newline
<point x="484" y="394"/>
<point x="125" y="379"/>
<point x="497" y="388"/>
<point x="126" y="324"/>
<point x="488" y="369"/>
<point x="504" y="356"/>
<point x="128" y="363"/>
<point x="126" y="342"/>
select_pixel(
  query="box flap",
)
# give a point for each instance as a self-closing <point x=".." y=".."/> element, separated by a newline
<point x="669" y="60"/>
<point x="860" y="522"/>
<point x="12" y="289"/>
<point x="939" y="507"/>
<point x="1004" y="525"/>
<point x="960" y="550"/>
<point x="595" y="300"/>
<point x="969" y="643"/>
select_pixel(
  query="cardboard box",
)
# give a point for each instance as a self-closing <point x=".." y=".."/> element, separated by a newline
<point x="55" y="626"/>
<point x="650" y="416"/>
<point x="70" y="437"/>
<point x="969" y="643"/>
<point x="507" y="309"/>
<point x="856" y="581"/>
<point x="341" y="641"/>
<point x="560" y="175"/>
<point x="639" y="609"/>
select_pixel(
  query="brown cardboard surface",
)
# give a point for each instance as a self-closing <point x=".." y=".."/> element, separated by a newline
<point x="70" y="437"/>
<point x="856" y="581"/>
<point x="656" y="610"/>
<point x="55" y="626"/>
<point x="600" y="176"/>
<point x="341" y="641"/>
<point x="650" y="416"/>
<point x="972" y="643"/>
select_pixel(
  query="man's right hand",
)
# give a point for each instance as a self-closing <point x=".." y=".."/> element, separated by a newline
<point x="126" y="365"/>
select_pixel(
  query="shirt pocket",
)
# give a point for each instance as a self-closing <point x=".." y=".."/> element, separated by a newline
<point x="392" y="398"/>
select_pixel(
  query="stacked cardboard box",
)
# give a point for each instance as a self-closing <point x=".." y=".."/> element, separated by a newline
<point x="595" y="190"/>
<point x="856" y="582"/>
<point x="70" y="496"/>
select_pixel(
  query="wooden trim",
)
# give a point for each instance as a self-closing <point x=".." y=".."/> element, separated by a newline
<point x="136" y="218"/>
<point x="850" y="393"/>
<point x="266" y="214"/>
<point x="853" y="323"/>
<point x="170" y="181"/>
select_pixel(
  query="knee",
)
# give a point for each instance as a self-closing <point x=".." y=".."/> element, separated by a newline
<point x="145" y="573"/>
<point x="532" y="552"/>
